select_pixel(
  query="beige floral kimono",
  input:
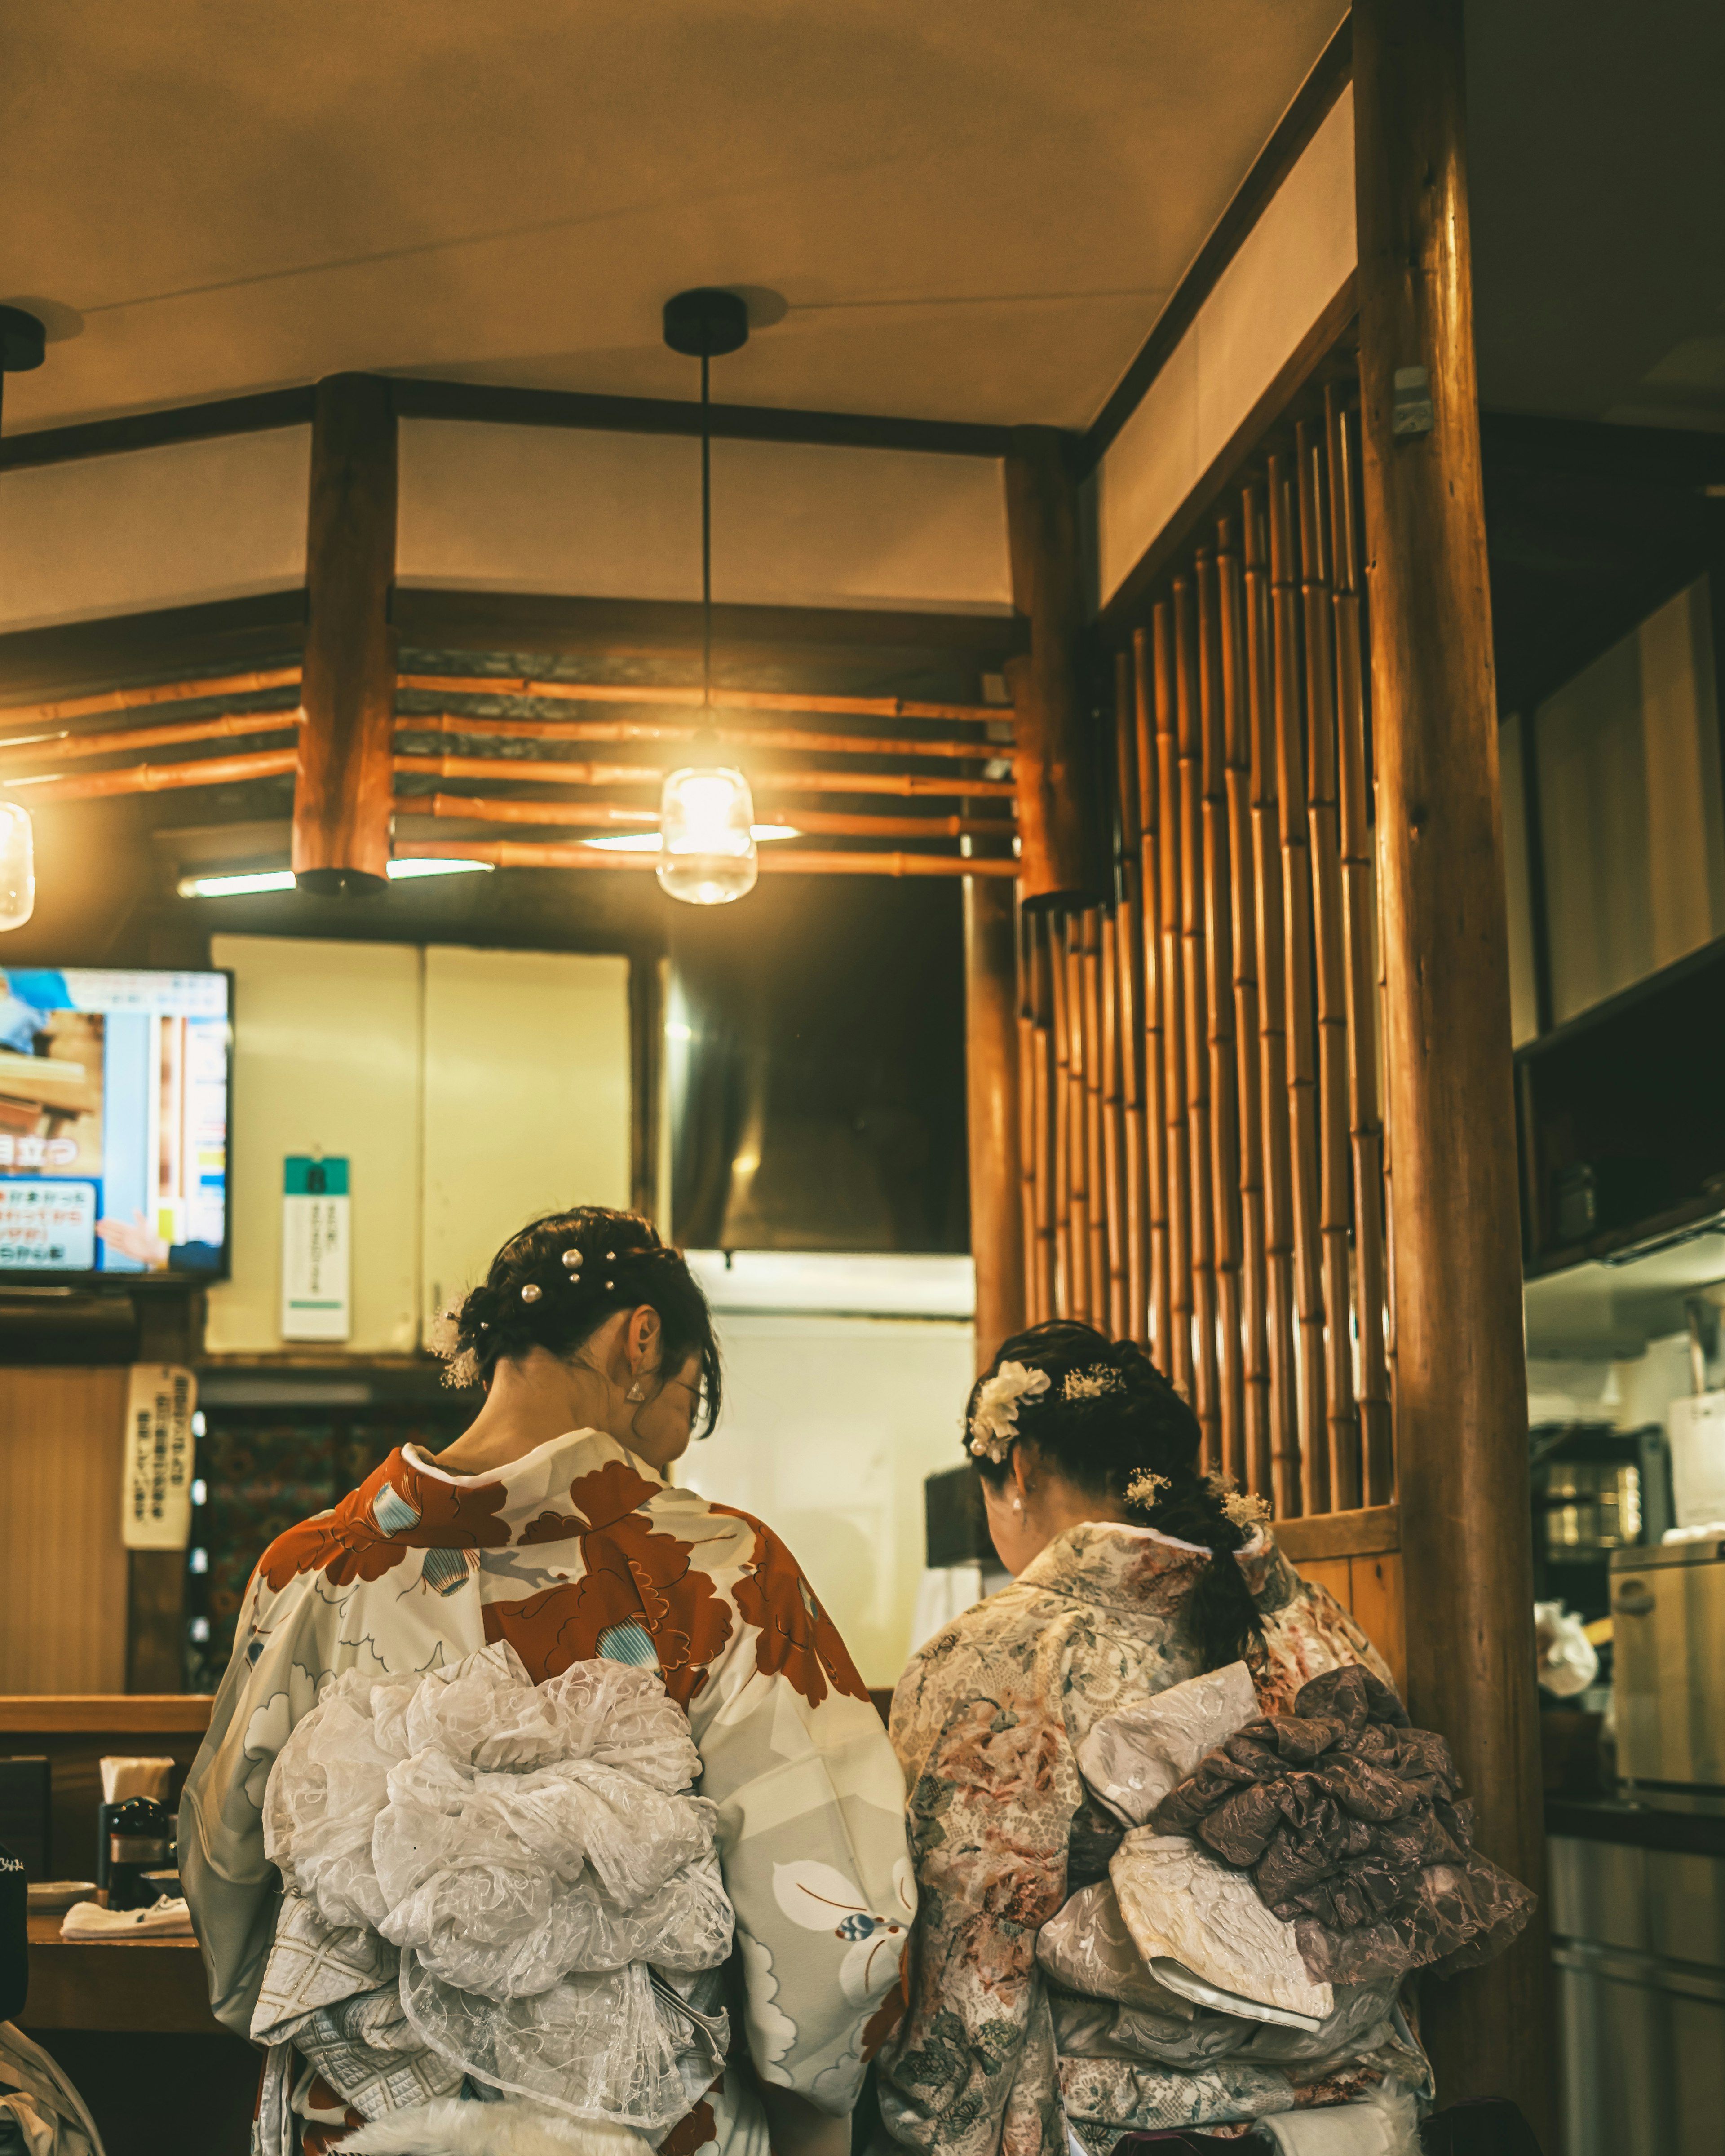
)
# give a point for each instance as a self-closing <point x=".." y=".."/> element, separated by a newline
<point x="580" y="1550"/>
<point x="987" y="1721"/>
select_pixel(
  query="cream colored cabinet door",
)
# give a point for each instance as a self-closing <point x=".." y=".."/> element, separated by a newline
<point x="326" y="1056"/>
<point x="526" y="1101"/>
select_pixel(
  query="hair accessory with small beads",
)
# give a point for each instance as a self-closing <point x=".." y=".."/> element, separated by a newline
<point x="610" y="1283"/>
<point x="995" y="1424"/>
<point x="610" y="1256"/>
<point x="1092" y="1383"/>
<point x="572" y="1260"/>
<point x="532" y="1292"/>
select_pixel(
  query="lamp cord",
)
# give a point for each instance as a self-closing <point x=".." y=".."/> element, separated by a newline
<point x="707" y="547"/>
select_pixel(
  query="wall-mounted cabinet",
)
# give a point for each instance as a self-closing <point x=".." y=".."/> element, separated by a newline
<point x="1622" y="1117"/>
<point x="468" y="1090"/>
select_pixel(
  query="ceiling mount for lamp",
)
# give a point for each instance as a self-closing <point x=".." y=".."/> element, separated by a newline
<point x="707" y="813"/>
<point x="23" y="344"/>
<point x="707" y="323"/>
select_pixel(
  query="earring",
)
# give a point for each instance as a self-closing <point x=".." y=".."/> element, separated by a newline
<point x="636" y="1391"/>
<point x="1018" y="1504"/>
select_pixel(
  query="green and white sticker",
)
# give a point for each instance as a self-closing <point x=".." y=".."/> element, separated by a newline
<point x="315" y="1276"/>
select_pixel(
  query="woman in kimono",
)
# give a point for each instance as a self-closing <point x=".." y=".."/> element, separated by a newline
<point x="1133" y="1573"/>
<point x="550" y="1525"/>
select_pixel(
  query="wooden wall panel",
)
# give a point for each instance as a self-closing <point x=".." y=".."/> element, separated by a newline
<point x="63" y="1589"/>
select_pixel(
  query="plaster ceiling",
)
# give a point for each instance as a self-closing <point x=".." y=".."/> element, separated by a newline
<point x="974" y="209"/>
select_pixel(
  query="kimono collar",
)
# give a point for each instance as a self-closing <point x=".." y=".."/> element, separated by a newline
<point x="512" y="1497"/>
<point x="1117" y="1567"/>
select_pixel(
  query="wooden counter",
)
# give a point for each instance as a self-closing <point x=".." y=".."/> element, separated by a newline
<point x="154" y="1986"/>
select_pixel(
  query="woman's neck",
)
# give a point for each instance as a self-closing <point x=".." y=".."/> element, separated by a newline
<point x="527" y="1404"/>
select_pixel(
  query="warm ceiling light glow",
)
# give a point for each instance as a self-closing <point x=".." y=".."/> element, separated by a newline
<point x="399" y="871"/>
<point x="17" y="867"/>
<point x="708" y="820"/>
<point x="235" y="886"/>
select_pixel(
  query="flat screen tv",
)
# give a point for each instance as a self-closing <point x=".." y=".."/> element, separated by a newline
<point x="114" y="1114"/>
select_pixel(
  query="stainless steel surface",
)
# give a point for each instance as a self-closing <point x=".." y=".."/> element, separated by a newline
<point x="1668" y="1607"/>
<point x="1639" y="1949"/>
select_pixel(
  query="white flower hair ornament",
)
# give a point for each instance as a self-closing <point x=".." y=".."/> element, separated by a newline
<point x="994" y="1421"/>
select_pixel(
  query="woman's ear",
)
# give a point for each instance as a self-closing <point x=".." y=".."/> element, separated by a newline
<point x="643" y="1339"/>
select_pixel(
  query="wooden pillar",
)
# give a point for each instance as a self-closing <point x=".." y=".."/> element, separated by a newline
<point x="1461" y="1387"/>
<point x="342" y="801"/>
<point x="1061" y="860"/>
<point x="991" y="1035"/>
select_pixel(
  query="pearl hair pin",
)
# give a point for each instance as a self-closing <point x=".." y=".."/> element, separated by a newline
<point x="532" y="1292"/>
<point x="572" y="1260"/>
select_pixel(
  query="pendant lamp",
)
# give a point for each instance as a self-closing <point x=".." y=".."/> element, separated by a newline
<point x="707" y="855"/>
<point x="23" y="342"/>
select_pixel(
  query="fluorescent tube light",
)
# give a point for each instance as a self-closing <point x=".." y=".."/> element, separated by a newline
<point x="235" y="886"/>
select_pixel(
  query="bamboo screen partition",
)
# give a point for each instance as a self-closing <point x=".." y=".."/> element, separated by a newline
<point x="1203" y="1149"/>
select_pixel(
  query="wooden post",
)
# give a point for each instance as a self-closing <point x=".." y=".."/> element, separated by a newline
<point x="991" y="1035"/>
<point x="341" y="803"/>
<point x="1461" y="1388"/>
<point x="1061" y="858"/>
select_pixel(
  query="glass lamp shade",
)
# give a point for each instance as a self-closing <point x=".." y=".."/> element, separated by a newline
<point x="707" y="856"/>
<point x="17" y="867"/>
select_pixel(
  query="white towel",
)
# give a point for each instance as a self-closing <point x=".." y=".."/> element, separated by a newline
<point x="1384" y="2123"/>
<point x="166" y="1919"/>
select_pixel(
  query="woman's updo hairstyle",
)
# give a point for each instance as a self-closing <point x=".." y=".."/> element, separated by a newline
<point x="555" y="1284"/>
<point x="1108" y="1421"/>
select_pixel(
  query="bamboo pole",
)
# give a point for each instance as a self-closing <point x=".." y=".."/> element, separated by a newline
<point x="1129" y="952"/>
<point x="488" y="809"/>
<point x="1219" y="998"/>
<point x="1153" y="977"/>
<point x="572" y="773"/>
<point x="1095" y="1118"/>
<point x="1114" y="1127"/>
<point x="1078" y="1126"/>
<point x="723" y="700"/>
<point x="1302" y="1021"/>
<point x="1027" y="1132"/>
<point x="991" y="1041"/>
<point x="788" y="860"/>
<point x="1045" y="1079"/>
<point x="1205" y="1377"/>
<point x="1335" y="1154"/>
<point x="227" y="727"/>
<point x="1061" y="1118"/>
<point x="1287" y="1480"/>
<point x="1257" y="1473"/>
<point x="159" y="777"/>
<point x="1360" y="913"/>
<point x="648" y="730"/>
<point x="1171" y="842"/>
<point x="64" y="708"/>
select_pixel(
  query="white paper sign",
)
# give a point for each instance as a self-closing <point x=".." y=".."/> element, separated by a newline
<point x="316" y="1300"/>
<point x="156" y="1488"/>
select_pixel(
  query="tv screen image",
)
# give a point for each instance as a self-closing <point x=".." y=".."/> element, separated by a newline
<point x="113" y="1100"/>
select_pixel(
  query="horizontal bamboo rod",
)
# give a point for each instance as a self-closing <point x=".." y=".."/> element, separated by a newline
<point x="224" y="728"/>
<point x="723" y="700"/>
<point x="136" y="699"/>
<point x="656" y="730"/>
<point x="523" y="853"/>
<point x="652" y="774"/>
<point x="157" y="777"/>
<point x="824" y="822"/>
